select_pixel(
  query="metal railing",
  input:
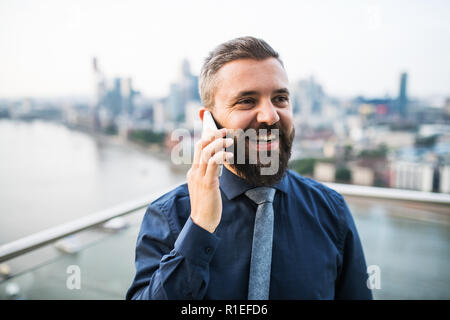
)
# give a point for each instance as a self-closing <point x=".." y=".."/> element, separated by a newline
<point x="390" y="193"/>
<point x="29" y="243"/>
<point x="37" y="240"/>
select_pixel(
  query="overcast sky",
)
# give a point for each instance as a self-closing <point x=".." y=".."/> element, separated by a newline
<point x="350" y="47"/>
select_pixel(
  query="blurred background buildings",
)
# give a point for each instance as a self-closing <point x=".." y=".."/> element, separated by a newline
<point x="399" y="142"/>
<point x="91" y="92"/>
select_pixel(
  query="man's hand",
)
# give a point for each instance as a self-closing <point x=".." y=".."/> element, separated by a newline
<point x="203" y="179"/>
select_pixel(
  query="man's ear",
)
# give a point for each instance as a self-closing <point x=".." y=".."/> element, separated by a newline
<point x="201" y="112"/>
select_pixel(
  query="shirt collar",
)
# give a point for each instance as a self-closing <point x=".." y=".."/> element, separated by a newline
<point x="233" y="185"/>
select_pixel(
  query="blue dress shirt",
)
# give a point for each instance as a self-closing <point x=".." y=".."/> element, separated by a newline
<point x="317" y="253"/>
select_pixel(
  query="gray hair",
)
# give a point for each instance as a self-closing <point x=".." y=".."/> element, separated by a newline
<point x="239" y="48"/>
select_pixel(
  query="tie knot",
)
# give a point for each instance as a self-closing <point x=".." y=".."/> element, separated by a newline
<point x="261" y="194"/>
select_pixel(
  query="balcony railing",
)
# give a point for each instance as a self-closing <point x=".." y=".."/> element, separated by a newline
<point x="29" y="257"/>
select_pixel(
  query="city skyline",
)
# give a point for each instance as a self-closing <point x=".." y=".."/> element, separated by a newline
<point x="47" y="47"/>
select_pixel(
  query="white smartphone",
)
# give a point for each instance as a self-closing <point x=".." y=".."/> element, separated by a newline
<point x="209" y="123"/>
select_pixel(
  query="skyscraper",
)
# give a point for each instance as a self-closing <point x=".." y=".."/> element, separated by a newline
<point x="308" y="98"/>
<point x="184" y="90"/>
<point x="128" y="95"/>
<point x="100" y="91"/>
<point x="402" y="100"/>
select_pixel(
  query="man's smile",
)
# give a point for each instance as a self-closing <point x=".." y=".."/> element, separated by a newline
<point x="264" y="143"/>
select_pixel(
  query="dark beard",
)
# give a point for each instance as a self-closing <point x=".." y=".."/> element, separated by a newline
<point x="252" y="172"/>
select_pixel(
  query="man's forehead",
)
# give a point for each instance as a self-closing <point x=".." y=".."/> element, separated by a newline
<point x="250" y="75"/>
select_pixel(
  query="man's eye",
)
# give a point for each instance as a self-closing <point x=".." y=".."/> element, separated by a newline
<point x="281" y="99"/>
<point x="245" y="101"/>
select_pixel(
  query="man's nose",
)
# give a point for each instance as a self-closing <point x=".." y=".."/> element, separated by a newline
<point x="267" y="113"/>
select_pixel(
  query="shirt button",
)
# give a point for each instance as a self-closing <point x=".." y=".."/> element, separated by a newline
<point x="208" y="250"/>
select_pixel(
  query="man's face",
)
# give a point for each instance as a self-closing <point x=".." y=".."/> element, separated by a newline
<point x="253" y="94"/>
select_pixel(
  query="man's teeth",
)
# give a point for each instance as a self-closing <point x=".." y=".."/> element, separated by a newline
<point x="265" y="137"/>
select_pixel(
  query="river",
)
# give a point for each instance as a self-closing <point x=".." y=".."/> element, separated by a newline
<point x="50" y="174"/>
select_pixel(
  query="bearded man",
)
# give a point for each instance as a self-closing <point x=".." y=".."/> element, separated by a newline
<point x="258" y="231"/>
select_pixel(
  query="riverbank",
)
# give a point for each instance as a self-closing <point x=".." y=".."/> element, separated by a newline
<point x="153" y="150"/>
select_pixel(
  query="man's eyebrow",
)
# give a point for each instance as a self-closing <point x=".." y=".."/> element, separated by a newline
<point x="282" y="90"/>
<point x="250" y="93"/>
<point x="244" y="94"/>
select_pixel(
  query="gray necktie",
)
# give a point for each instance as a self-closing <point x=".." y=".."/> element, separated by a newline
<point x="261" y="260"/>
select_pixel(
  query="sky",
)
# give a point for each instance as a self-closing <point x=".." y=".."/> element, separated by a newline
<point x="354" y="47"/>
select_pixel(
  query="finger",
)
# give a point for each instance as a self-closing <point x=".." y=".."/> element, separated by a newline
<point x="215" y="162"/>
<point x="214" y="147"/>
<point x="197" y="153"/>
<point x="209" y="151"/>
<point x="210" y="135"/>
<point x="206" y="139"/>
